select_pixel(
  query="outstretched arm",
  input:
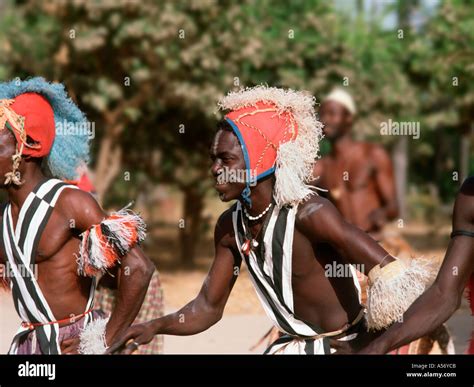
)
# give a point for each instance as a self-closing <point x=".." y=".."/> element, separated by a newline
<point x="442" y="299"/>
<point x="208" y="306"/>
<point x="434" y="306"/>
<point x="134" y="272"/>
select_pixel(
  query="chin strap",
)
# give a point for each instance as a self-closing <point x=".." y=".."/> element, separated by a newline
<point x="246" y="196"/>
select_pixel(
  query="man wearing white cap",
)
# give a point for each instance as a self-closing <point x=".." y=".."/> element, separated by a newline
<point x="358" y="175"/>
<point x="359" y="179"/>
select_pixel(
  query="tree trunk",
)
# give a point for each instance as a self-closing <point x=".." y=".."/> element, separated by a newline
<point x="400" y="162"/>
<point x="109" y="162"/>
<point x="193" y="204"/>
<point x="400" y="152"/>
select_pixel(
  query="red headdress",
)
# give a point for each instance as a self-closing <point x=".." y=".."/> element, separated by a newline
<point x="30" y="117"/>
<point x="279" y="133"/>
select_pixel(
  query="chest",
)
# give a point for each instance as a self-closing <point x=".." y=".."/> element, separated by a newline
<point x="38" y="229"/>
<point x="284" y="252"/>
<point x="348" y="174"/>
<point x="56" y="235"/>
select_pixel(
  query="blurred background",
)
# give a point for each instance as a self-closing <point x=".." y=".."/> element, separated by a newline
<point x="148" y="75"/>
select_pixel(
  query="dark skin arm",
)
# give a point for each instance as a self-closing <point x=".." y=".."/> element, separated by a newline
<point x="385" y="184"/>
<point x="134" y="273"/>
<point x="320" y="221"/>
<point x="443" y="298"/>
<point x="208" y="306"/>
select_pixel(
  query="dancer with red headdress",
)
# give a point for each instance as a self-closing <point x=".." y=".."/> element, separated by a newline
<point x="263" y="156"/>
<point x="55" y="239"/>
<point x="359" y="179"/>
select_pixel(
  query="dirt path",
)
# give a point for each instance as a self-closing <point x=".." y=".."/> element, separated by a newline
<point x="235" y="333"/>
<point x="9" y="321"/>
<point x="244" y="321"/>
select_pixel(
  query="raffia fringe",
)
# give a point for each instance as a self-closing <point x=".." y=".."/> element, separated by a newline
<point x="393" y="288"/>
<point x="104" y="244"/>
<point x="92" y="338"/>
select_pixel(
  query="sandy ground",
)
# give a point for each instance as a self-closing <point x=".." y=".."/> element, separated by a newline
<point x="244" y="321"/>
<point x="243" y="324"/>
<point x="241" y="327"/>
<point x="9" y="321"/>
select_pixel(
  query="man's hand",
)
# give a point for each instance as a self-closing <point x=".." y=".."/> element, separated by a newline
<point x="133" y="337"/>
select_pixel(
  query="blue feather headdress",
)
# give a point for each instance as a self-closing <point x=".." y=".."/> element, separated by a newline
<point x="71" y="147"/>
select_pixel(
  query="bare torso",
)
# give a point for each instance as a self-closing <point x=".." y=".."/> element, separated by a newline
<point x="65" y="291"/>
<point x="318" y="299"/>
<point x="351" y="181"/>
<point x="329" y="302"/>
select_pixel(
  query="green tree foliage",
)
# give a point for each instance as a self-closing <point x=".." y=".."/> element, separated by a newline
<point x="149" y="73"/>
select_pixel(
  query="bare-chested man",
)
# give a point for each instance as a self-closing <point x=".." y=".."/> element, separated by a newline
<point x="443" y="298"/>
<point x="290" y="239"/>
<point x="360" y="183"/>
<point x="358" y="175"/>
<point x="55" y="239"/>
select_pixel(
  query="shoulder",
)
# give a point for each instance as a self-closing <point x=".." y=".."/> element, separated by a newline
<point x="224" y="230"/>
<point x="74" y="198"/>
<point x="80" y="206"/>
<point x="319" y="218"/>
<point x="225" y="222"/>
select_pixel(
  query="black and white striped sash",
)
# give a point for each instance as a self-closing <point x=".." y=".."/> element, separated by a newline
<point x="20" y="245"/>
<point x="270" y="268"/>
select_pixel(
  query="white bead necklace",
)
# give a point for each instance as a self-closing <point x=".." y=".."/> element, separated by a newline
<point x="250" y="217"/>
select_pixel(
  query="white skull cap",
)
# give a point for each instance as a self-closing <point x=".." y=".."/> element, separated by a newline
<point x="343" y="97"/>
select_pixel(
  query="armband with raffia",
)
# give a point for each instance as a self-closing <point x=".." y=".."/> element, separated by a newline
<point x="394" y="287"/>
<point x="104" y="244"/>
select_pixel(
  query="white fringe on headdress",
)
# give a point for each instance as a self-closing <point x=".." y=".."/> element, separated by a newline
<point x="390" y="295"/>
<point x="295" y="159"/>
<point x="92" y="338"/>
